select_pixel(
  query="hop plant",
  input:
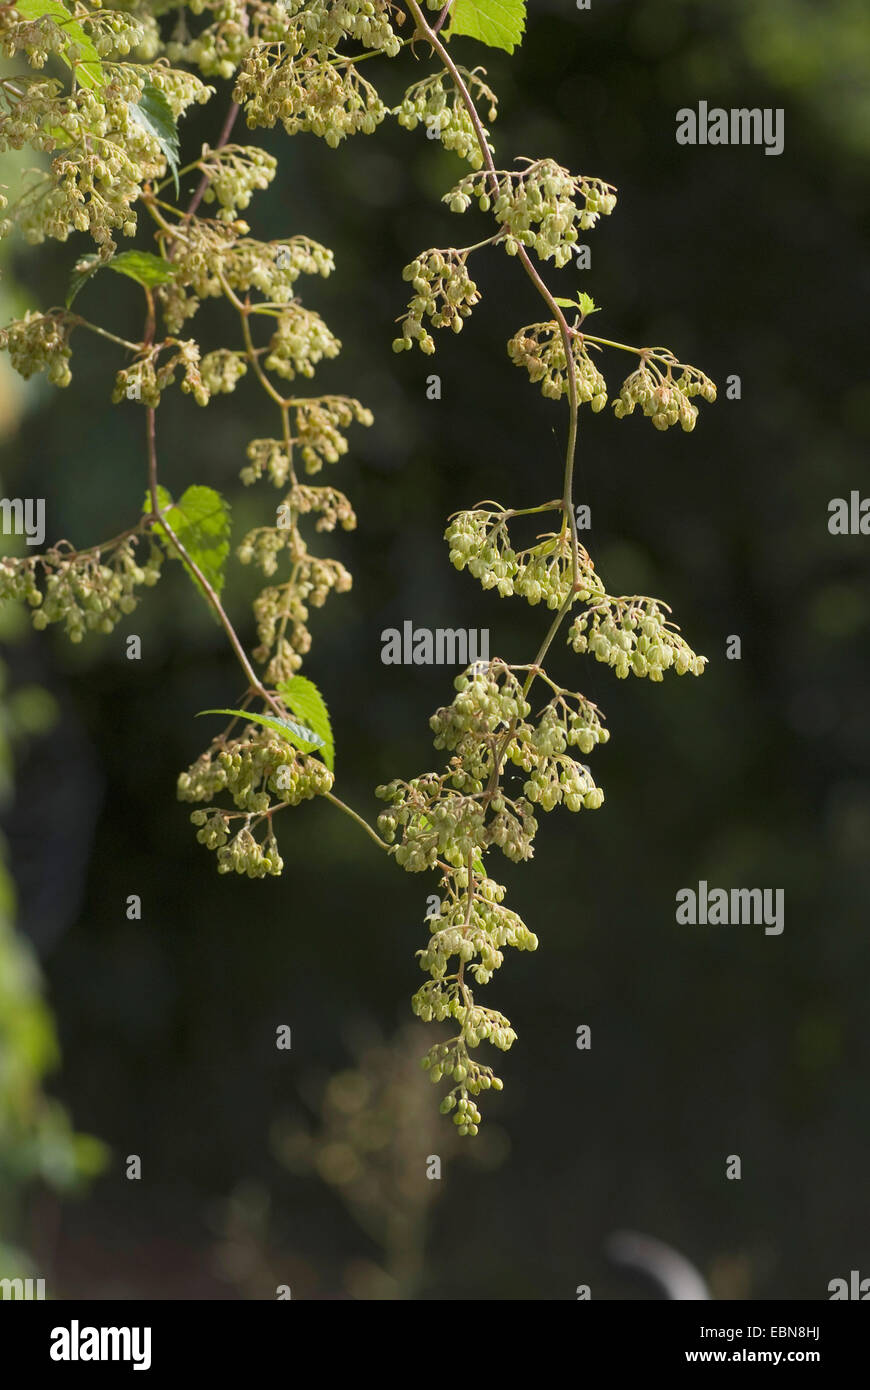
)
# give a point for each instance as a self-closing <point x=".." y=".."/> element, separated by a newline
<point x="87" y="591"/>
<point x="39" y="343"/>
<point x="261" y="774"/>
<point x="542" y="206"/>
<point x="445" y="294"/>
<point x="664" y="399"/>
<point x="540" y="349"/>
<point x="480" y="542"/>
<point x="100" y="97"/>
<point x="635" y="637"/>
<point x="443" y="112"/>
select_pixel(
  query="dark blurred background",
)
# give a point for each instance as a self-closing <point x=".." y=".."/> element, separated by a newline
<point x="307" y="1168"/>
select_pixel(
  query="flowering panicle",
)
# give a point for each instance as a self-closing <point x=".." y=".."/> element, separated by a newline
<point x="444" y="113"/>
<point x="542" y="206"/>
<point x="261" y="773"/>
<point x="87" y="591"/>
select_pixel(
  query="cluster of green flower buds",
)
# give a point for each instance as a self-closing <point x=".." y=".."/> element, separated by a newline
<point x="561" y="781"/>
<point x="267" y="457"/>
<point x="662" y="398"/>
<point x="87" y="591"/>
<point x="445" y="294"/>
<point x="218" y="48"/>
<point x="451" y="1060"/>
<point x="115" y="34"/>
<point x="444" y="113"/>
<point x="39" y="343"/>
<point x="319" y="424"/>
<point x="463" y="812"/>
<point x="103" y="149"/>
<point x="539" y="347"/>
<point x="436" y="823"/>
<point x="243" y="853"/>
<point x="450" y="820"/>
<point x="252" y="769"/>
<point x="301" y="340"/>
<point x="476" y="933"/>
<point x="472" y="929"/>
<point x="635" y="637"/>
<point x="286" y="606"/>
<point x="479" y="541"/>
<point x="308" y="92"/>
<point x="147" y="378"/>
<point x="235" y="173"/>
<point x="330" y="506"/>
<point x="210" y="255"/>
<point x="536" y="206"/>
<point x="222" y="370"/>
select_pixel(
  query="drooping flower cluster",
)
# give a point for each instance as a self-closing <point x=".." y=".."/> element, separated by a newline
<point x="480" y="542"/>
<point x="540" y="348"/>
<point x="635" y="637"/>
<point x="261" y="773"/>
<point x="103" y="143"/>
<point x="87" y="591"/>
<point x="301" y="339"/>
<point x="307" y="92"/>
<point x="451" y="820"/>
<point x="542" y="206"/>
<point x="211" y="255"/>
<point x="445" y="294"/>
<point x="39" y="343"/>
<point x="663" y="398"/>
<point x="147" y="377"/>
<point x="235" y="173"/>
<point x="444" y="114"/>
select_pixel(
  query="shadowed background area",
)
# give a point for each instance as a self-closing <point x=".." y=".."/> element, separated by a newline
<point x="307" y="1167"/>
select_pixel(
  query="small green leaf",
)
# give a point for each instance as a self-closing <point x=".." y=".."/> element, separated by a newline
<point x="201" y="521"/>
<point x="143" y="267"/>
<point x="154" y="114"/>
<point x="564" y="303"/>
<point x="587" y="304"/>
<point x="88" y="68"/>
<point x="498" y="23"/>
<point x="303" y="698"/>
<point x="306" y="740"/>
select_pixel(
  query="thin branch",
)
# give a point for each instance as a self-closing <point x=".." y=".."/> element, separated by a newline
<point x="207" y="588"/>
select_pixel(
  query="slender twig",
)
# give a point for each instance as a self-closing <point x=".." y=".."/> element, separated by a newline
<point x="207" y="588"/>
<point x="226" y="132"/>
<point x="359" y="820"/>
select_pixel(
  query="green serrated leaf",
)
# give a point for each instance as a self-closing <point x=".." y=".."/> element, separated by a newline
<point x="498" y="23"/>
<point x="201" y="521"/>
<point x="303" y="698"/>
<point x="306" y="740"/>
<point x="154" y="114"/>
<point x="142" y="266"/>
<point x="587" y="304"/>
<point x="88" y="68"/>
